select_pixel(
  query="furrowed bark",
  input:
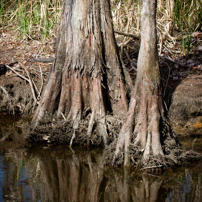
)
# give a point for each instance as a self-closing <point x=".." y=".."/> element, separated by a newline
<point x="143" y="119"/>
<point x="87" y="71"/>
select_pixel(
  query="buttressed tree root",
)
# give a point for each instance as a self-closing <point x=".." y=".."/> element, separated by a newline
<point x="146" y="138"/>
<point x="86" y="77"/>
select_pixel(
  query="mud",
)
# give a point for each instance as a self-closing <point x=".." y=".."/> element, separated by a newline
<point x="181" y="81"/>
<point x="185" y="112"/>
<point x="54" y="131"/>
<point x="15" y="95"/>
<point x="60" y="132"/>
<point x="174" y="155"/>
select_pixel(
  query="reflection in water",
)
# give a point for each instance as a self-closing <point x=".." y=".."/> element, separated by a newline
<point x="59" y="174"/>
<point x="72" y="178"/>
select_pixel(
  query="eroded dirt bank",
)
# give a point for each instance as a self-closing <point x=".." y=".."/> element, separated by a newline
<point x="185" y="112"/>
<point x="22" y="80"/>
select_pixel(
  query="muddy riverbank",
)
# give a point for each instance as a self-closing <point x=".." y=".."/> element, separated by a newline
<point x="22" y="80"/>
<point x="58" y="173"/>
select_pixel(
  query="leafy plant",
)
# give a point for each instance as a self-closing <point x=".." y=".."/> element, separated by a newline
<point x="33" y="19"/>
<point x="39" y="19"/>
<point x="21" y="165"/>
<point x="186" y="44"/>
<point x="22" y="19"/>
<point x="188" y="15"/>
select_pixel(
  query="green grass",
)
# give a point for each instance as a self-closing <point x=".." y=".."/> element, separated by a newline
<point x="35" y="19"/>
<point x="39" y="19"/>
<point x="188" y="15"/>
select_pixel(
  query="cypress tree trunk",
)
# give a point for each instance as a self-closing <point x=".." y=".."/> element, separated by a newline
<point x="87" y="72"/>
<point x="146" y="138"/>
<point x="146" y="108"/>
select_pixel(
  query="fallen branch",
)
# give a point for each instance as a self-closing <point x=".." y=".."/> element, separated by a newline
<point x="135" y="37"/>
<point x="151" y="167"/>
<point x="43" y="60"/>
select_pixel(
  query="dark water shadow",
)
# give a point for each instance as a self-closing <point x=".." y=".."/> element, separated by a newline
<point x="57" y="173"/>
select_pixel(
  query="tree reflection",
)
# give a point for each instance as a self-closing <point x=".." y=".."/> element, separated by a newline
<point x="77" y="178"/>
<point x="60" y="175"/>
<point x="147" y="190"/>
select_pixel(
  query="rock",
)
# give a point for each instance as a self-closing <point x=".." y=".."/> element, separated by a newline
<point x="185" y="112"/>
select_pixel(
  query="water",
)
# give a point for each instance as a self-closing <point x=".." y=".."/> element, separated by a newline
<point x="59" y="174"/>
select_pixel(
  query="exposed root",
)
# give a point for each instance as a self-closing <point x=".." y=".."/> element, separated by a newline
<point x="125" y="134"/>
<point x="91" y="123"/>
<point x="72" y="139"/>
<point x="61" y="132"/>
<point x="146" y="139"/>
<point x="73" y="106"/>
<point x="103" y="130"/>
<point x="174" y="155"/>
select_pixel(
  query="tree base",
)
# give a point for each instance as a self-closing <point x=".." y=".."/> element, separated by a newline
<point x="174" y="155"/>
<point x="60" y="131"/>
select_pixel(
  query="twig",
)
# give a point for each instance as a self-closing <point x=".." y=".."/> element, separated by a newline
<point x="20" y="75"/>
<point x="72" y="139"/>
<point x="39" y="95"/>
<point x="5" y="91"/>
<point x="124" y="44"/>
<point x="63" y="116"/>
<point x="150" y="167"/>
<point x="34" y="85"/>
<point x="167" y="49"/>
<point x="30" y="82"/>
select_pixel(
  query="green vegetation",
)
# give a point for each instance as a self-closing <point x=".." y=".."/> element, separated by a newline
<point x="188" y="15"/>
<point x="187" y="19"/>
<point x="38" y="19"/>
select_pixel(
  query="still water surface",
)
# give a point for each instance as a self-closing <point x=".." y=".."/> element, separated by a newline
<point x="60" y="174"/>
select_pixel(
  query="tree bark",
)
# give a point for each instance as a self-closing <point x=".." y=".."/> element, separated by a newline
<point x="87" y="71"/>
<point x="146" y="108"/>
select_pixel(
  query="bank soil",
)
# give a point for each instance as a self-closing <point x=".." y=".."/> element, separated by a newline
<point x="185" y="111"/>
<point x="21" y="78"/>
<point x="22" y="81"/>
